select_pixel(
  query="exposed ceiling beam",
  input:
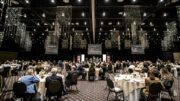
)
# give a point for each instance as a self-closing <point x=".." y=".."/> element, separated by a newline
<point x="93" y="20"/>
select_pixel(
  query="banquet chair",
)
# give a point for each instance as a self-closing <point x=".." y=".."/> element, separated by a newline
<point x="168" y="91"/>
<point x="106" y="78"/>
<point x="178" y="73"/>
<point x="6" y="72"/>
<point x="91" y="73"/>
<point x="19" y="89"/>
<point x="74" y="80"/>
<point x="4" y="89"/>
<point x="115" y="90"/>
<point x="154" y="91"/>
<point x="53" y="89"/>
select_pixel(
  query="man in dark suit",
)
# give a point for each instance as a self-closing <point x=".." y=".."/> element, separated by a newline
<point x="54" y="77"/>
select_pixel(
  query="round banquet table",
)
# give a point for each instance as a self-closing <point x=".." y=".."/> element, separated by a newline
<point x="130" y="85"/>
<point x="41" y="85"/>
<point x="97" y="71"/>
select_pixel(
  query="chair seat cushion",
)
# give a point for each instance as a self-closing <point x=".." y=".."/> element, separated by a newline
<point x="116" y="89"/>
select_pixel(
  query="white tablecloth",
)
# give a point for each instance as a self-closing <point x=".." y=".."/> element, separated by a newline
<point x="130" y="85"/>
<point x="97" y="70"/>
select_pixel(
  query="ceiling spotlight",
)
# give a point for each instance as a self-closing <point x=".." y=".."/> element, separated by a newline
<point x="120" y="13"/>
<point x="53" y="1"/>
<point x="134" y="22"/>
<point x="154" y="29"/>
<point x="2" y="2"/>
<point x="27" y="1"/>
<point x="165" y="14"/>
<point x="106" y="1"/>
<point x="62" y="14"/>
<point x="53" y="23"/>
<point x="142" y="23"/>
<point x="118" y="23"/>
<point x="34" y="30"/>
<point x="45" y="24"/>
<point x="114" y="29"/>
<point x="77" y="23"/>
<point x="110" y="23"/>
<point x="87" y="29"/>
<point x="145" y="14"/>
<point x="161" y="0"/>
<point x="25" y="16"/>
<point x="133" y="0"/>
<point x="73" y="29"/>
<point x="83" y="14"/>
<point x="47" y="30"/>
<point x="141" y="29"/>
<point x="38" y="24"/>
<point x="151" y="24"/>
<point x="102" y="23"/>
<point x="44" y="15"/>
<point x="85" y="23"/>
<point x="104" y="14"/>
<point x="124" y="14"/>
<point x="100" y="29"/>
<point x="66" y="1"/>
<point x="79" y="1"/>
<point x="166" y="23"/>
<point x="120" y="0"/>
<point x="43" y="34"/>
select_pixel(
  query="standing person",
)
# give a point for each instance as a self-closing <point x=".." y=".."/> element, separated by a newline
<point x="29" y="80"/>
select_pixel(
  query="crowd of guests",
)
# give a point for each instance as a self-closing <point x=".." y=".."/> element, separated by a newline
<point x="157" y="72"/>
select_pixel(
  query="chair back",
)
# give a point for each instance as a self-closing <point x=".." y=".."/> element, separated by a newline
<point x="74" y="79"/>
<point x="6" y="71"/>
<point x="178" y="72"/>
<point x="167" y="83"/>
<point x="154" y="89"/>
<point x="2" y="83"/>
<point x="19" y="89"/>
<point x="110" y="83"/>
<point x="54" y="87"/>
<point x="91" y="71"/>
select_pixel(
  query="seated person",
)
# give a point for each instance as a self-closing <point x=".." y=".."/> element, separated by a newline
<point x="148" y="81"/>
<point x="91" y="71"/>
<point x="110" y="67"/>
<point x="69" y="76"/>
<point x="81" y="71"/>
<point x="104" y="68"/>
<point x="7" y="65"/>
<point x="29" y="80"/>
<point x="155" y="71"/>
<point x="54" y="77"/>
<point x="39" y="67"/>
<point x="165" y="74"/>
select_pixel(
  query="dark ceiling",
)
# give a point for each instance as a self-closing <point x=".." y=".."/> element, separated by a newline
<point x="114" y="13"/>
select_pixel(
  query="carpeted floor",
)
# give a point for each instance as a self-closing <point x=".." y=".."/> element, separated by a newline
<point x="88" y="91"/>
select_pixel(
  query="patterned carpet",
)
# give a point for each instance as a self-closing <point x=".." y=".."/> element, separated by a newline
<point x="88" y="91"/>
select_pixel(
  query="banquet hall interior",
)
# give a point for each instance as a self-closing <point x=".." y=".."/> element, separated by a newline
<point x="89" y="50"/>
